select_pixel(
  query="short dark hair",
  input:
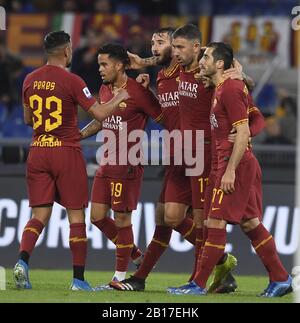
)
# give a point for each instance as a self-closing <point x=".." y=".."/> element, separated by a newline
<point x="165" y="30"/>
<point x="223" y="52"/>
<point x="115" y="51"/>
<point x="56" y="39"/>
<point x="189" y="31"/>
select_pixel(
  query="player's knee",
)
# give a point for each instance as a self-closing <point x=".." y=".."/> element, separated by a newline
<point x="122" y="220"/>
<point x="171" y="220"/>
<point x="216" y="224"/>
<point x="95" y="217"/>
<point x="249" y="225"/>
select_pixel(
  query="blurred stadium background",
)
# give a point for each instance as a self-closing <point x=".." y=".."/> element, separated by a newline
<point x="264" y="42"/>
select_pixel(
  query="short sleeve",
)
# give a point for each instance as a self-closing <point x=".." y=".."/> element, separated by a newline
<point x="235" y="102"/>
<point x="81" y="93"/>
<point x="149" y="104"/>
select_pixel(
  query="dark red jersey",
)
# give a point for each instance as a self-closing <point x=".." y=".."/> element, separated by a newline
<point x="167" y="91"/>
<point x="194" y="103"/>
<point x="131" y="115"/>
<point x="229" y="109"/>
<point x="54" y="94"/>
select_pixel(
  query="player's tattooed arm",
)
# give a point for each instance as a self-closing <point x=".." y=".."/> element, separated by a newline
<point x="90" y="130"/>
<point x="27" y="115"/>
<point x="136" y="62"/>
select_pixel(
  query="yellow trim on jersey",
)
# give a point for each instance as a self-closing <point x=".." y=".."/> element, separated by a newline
<point x="168" y="73"/>
<point x="253" y="109"/>
<point x="220" y="84"/>
<point x="114" y="239"/>
<point x="190" y="231"/>
<point x="263" y="242"/>
<point x="159" y="117"/>
<point x="199" y="240"/>
<point x="218" y="246"/>
<point x="160" y="243"/>
<point x="76" y="239"/>
<point x="33" y="230"/>
<point x="193" y="71"/>
<point x="237" y="123"/>
<point x="122" y="246"/>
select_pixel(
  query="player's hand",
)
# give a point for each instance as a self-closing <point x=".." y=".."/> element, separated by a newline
<point x="144" y="80"/>
<point x="232" y="135"/>
<point x="227" y="182"/>
<point x="235" y="72"/>
<point x="122" y="94"/>
<point x="136" y="62"/>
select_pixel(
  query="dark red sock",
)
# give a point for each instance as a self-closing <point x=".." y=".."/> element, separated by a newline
<point x="213" y="250"/>
<point x="156" y="248"/>
<point x="31" y="233"/>
<point x="187" y="229"/>
<point x="124" y="247"/>
<point x="198" y="246"/>
<point x="108" y="227"/>
<point x="78" y="243"/>
<point x="136" y="253"/>
<point x="265" y="247"/>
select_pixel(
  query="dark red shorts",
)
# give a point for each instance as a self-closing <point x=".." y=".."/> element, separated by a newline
<point x="246" y="201"/>
<point x="122" y="195"/>
<point x="199" y="183"/>
<point x="176" y="186"/>
<point x="189" y="190"/>
<point x="57" y="175"/>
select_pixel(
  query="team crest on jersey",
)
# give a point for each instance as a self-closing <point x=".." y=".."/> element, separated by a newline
<point x="87" y="92"/>
<point x="122" y="105"/>
<point x="213" y="121"/>
<point x="177" y="79"/>
<point x="246" y="90"/>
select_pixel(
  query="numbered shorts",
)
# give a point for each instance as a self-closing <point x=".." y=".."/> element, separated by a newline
<point x="57" y="174"/>
<point x="122" y="195"/>
<point x="199" y="183"/>
<point x="246" y="201"/>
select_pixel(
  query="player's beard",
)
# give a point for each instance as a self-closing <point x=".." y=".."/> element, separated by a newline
<point x="166" y="57"/>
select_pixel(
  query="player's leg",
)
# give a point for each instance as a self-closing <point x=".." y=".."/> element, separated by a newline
<point x="175" y="217"/>
<point x="31" y="233"/>
<point x="124" y="245"/>
<point x="78" y="246"/>
<point x="264" y="245"/>
<point x="101" y="200"/>
<point x="69" y="169"/>
<point x="155" y="249"/>
<point x="212" y="252"/>
<point x="41" y="192"/>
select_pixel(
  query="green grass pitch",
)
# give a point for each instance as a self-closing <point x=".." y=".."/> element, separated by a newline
<point x="52" y="286"/>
